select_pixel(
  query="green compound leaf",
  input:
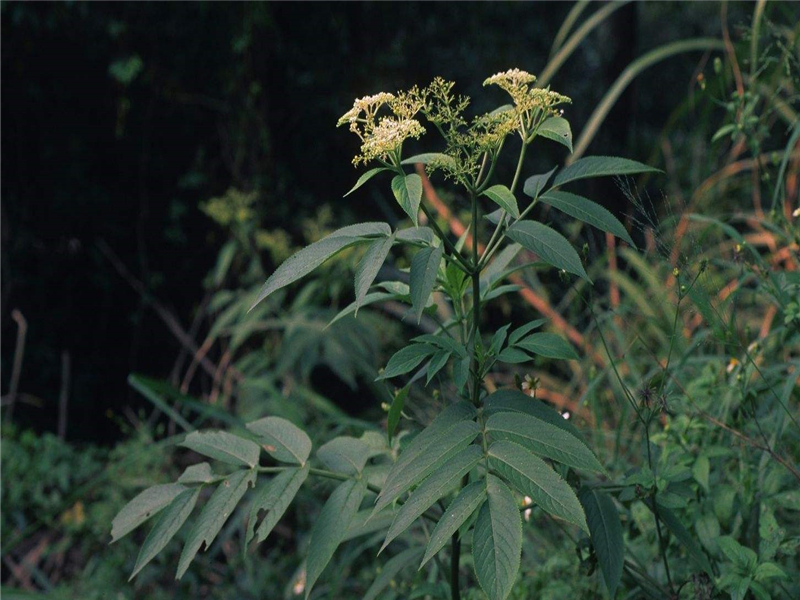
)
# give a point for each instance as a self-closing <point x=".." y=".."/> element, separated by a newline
<point x="548" y="345"/>
<point x="166" y="527"/>
<point x="424" y="268"/>
<point x="544" y="439"/>
<point x="437" y="363"/>
<point x="214" y="514"/>
<point x="497" y="541"/>
<point x="395" y="410"/>
<point x="273" y="498"/>
<point x="587" y="211"/>
<point x="344" y="454"/>
<point x="522" y="331"/>
<point x="460" y="509"/>
<point x="533" y="477"/>
<point x="199" y="473"/>
<point x="408" y="193"/>
<point x="406" y="359"/>
<point x="502" y="196"/>
<point x="369" y="265"/>
<point x="606" y="534"/>
<point x="224" y="447"/>
<point x="535" y="184"/>
<point x="558" y="130"/>
<point x="365" y="178"/>
<point x="552" y="247"/>
<point x="419" y="235"/>
<point x="331" y="526"/>
<point x="143" y="506"/>
<point x="390" y="570"/>
<point x="441" y="481"/>
<point x="451" y="431"/>
<point x="600" y="166"/>
<point x="510" y="400"/>
<point x="309" y="258"/>
<point x="282" y="439"/>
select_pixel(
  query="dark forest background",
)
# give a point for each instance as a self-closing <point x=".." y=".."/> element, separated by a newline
<point x="119" y="119"/>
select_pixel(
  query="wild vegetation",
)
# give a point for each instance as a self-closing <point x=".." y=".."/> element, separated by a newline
<point x="563" y="402"/>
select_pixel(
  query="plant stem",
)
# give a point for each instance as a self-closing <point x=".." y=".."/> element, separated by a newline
<point x="446" y="241"/>
<point x="455" y="591"/>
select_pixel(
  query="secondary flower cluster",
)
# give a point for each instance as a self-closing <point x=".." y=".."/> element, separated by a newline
<point x="532" y="105"/>
<point x="468" y="144"/>
<point x="381" y="136"/>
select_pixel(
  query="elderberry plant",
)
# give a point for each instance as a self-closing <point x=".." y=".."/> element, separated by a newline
<point x="465" y="473"/>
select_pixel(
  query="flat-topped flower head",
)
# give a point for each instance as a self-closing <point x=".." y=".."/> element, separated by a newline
<point x="512" y="79"/>
<point x="387" y="137"/>
<point x="363" y="113"/>
<point x="533" y="105"/>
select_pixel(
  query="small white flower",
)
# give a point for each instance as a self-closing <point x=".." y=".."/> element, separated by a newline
<point x="527" y="514"/>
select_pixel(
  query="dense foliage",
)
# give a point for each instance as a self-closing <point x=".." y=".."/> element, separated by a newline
<point x="634" y="435"/>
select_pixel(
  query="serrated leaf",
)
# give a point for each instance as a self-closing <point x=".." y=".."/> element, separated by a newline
<point x="309" y="258"/>
<point x="390" y="570"/>
<point x="500" y="291"/>
<point x="605" y="530"/>
<point x="513" y="356"/>
<point x="535" y="184"/>
<point x="441" y="481"/>
<point x="599" y="166"/>
<point x="552" y="247"/>
<point x="344" y="454"/>
<point x="408" y="193"/>
<point x="442" y="341"/>
<point x="395" y="411"/>
<point x="533" y="477"/>
<point x="143" y="506"/>
<point x="166" y="527"/>
<point x="548" y="345"/>
<point x="587" y="211"/>
<point x="743" y="557"/>
<point x="370" y="298"/>
<point x="684" y="537"/>
<point x="497" y="268"/>
<point x="282" y="439"/>
<point x="424" y="455"/>
<point x="331" y="526"/>
<point x="502" y="196"/>
<point x="769" y="570"/>
<point x="365" y="178"/>
<point x="273" y="498"/>
<point x="424" y="268"/>
<point x="521" y="332"/>
<point x="406" y="359"/>
<point x="365" y="523"/>
<point x="543" y="438"/>
<point x="558" y="130"/>
<point x="369" y="265"/>
<point x="510" y="400"/>
<point x="498" y="339"/>
<point x="420" y="235"/>
<point x="214" y="514"/>
<point x="199" y="473"/>
<point x="461" y="373"/>
<point x="460" y="509"/>
<point x="437" y="363"/>
<point x="497" y="541"/>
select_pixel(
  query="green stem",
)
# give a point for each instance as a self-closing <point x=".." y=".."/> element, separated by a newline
<point x="494" y="241"/>
<point x="465" y="266"/>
